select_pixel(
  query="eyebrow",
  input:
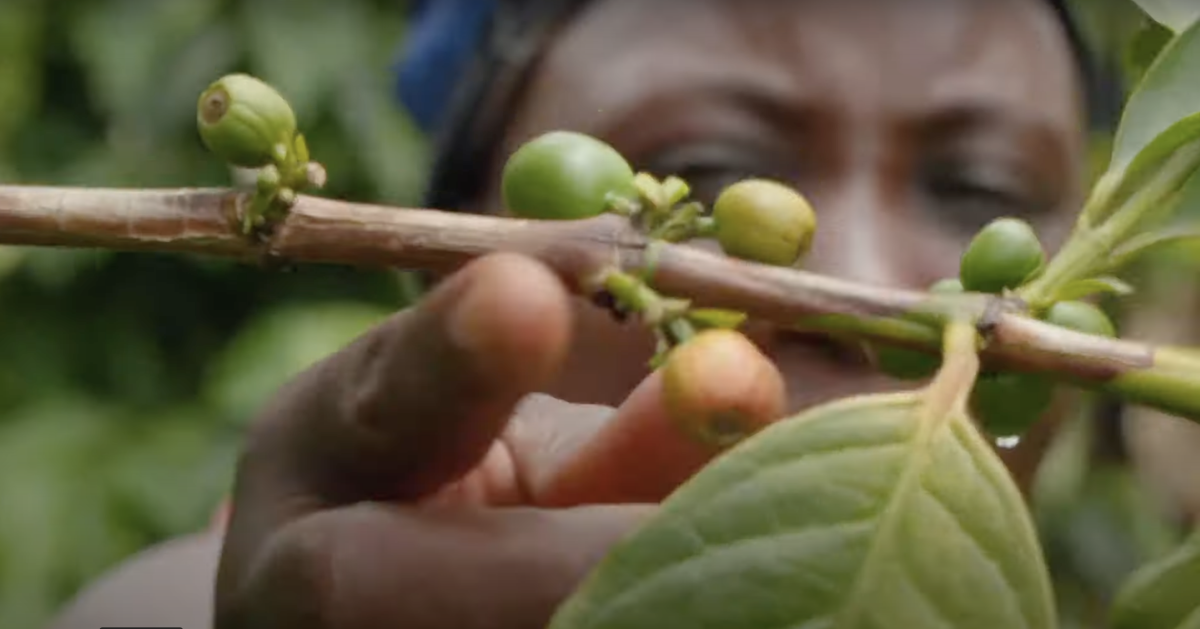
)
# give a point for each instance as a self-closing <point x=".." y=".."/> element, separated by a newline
<point x="754" y="100"/>
<point x="960" y="116"/>
<point x="777" y="106"/>
<point x="971" y="114"/>
<point x="784" y="105"/>
<point x="1037" y="140"/>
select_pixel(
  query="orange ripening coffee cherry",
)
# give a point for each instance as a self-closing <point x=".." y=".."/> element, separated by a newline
<point x="750" y="395"/>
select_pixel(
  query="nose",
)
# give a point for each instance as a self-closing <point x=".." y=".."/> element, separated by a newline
<point x="861" y="235"/>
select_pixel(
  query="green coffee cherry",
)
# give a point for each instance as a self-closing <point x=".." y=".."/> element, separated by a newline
<point x="946" y="286"/>
<point x="245" y="121"/>
<point x="764" y="221"/>
<point x="564" y="175"/>
<point x="1081" y="316"/>
<point x="907" y="364"/>
<point x="1007" y="404"/>
<point x="1001" y="256"/>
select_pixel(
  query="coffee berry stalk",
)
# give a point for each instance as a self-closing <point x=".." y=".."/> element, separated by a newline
<point x="249" y="124"/>
<point x="566" y="175"/>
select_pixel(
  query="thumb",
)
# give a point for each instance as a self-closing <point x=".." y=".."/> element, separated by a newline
<point x="417" y="401"/>
<point x="408" y="407"/>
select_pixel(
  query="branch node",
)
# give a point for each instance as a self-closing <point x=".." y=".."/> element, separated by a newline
<point x="995" y="309"/>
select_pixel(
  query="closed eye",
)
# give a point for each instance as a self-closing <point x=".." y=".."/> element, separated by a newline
<point x="969" y="198"/>
<point x="709" y="168"/>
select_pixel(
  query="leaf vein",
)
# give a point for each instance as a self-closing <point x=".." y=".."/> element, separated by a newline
<point x="664" y="575"/>
<point x="889" y="518"/>
<point x="985" y="554"/>
<point x="803" y="459"/>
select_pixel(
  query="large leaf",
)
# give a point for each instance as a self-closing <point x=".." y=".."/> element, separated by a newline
<point x="1163" y="594"/>
<point x="1144" y="48"/>
<point x="1163" y="114"/>
<point x="867" y="512"/>
<point x="1176" y="15"/>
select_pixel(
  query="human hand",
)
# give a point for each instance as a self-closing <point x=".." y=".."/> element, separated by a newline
<point x="411" y="481"/>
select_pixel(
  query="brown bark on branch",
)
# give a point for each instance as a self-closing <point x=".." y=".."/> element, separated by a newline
<point x="204" y="221"/>
<point x="320" y="230"/>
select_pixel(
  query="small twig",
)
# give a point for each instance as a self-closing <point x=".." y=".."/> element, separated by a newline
<point x="319" y="230"/>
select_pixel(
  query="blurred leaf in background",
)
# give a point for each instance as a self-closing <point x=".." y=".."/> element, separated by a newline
<point x="127" y="379"/>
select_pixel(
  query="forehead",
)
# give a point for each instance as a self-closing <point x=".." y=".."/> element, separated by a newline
<point x="909" y="63"/>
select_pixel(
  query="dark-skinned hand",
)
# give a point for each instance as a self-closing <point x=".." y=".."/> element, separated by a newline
<point x="412" y="481"/>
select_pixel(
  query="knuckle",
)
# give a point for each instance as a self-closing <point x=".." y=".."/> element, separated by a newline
<point x="292" y="584"/>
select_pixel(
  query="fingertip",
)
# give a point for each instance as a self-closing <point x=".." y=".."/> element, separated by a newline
<point x="514" y="318"/>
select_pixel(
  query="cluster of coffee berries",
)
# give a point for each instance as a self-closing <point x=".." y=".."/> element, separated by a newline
<point x="565" y="175"/>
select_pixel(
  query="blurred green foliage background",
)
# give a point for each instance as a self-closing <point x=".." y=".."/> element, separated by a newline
<point x="126" y="379"/>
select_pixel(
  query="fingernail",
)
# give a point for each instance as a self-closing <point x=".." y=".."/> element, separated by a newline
<point x="511" y="320"/>
<point x="469" y="319"/>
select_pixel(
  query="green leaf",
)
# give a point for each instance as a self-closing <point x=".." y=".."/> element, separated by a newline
<point x="279" y="344"/>
<point x="1144" y="48"/>
<point x="1176" y="15"/>
<point x="1163" y="593"/>
<point x="1081" y="289"/>
<point x="1154" y="242"/>
<point x="866" y="512"/>
<point x="386" y="145"/>
<point x="169" y="475"/>
<point x="22" y="24"/>
<point x="55" y="530"/>
<point x="279" y="44"/>
<point x="124" y="72"/>
<point x="1161" y="116"/>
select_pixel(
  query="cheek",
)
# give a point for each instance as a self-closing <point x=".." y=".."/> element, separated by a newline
<point x="922" y="249"/>
<point x="936" y="250"/>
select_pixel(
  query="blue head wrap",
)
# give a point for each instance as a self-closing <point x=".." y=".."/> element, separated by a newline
<point x="443" y="38"/>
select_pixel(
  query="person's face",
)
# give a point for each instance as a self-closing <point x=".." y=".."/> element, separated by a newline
<point x="908" y="125"/>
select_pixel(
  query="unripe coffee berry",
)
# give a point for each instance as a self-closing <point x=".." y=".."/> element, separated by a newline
<point x="1001" y="256"/>
<point x="946" y="286"/>
<point x="1007" y="404"/>
<point x="907" y="364"/>
<point x="1080" y="316"/>
<point x="563" y="175"/>
<point x="764" y="221"/>
<point x="245" y="121"/>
